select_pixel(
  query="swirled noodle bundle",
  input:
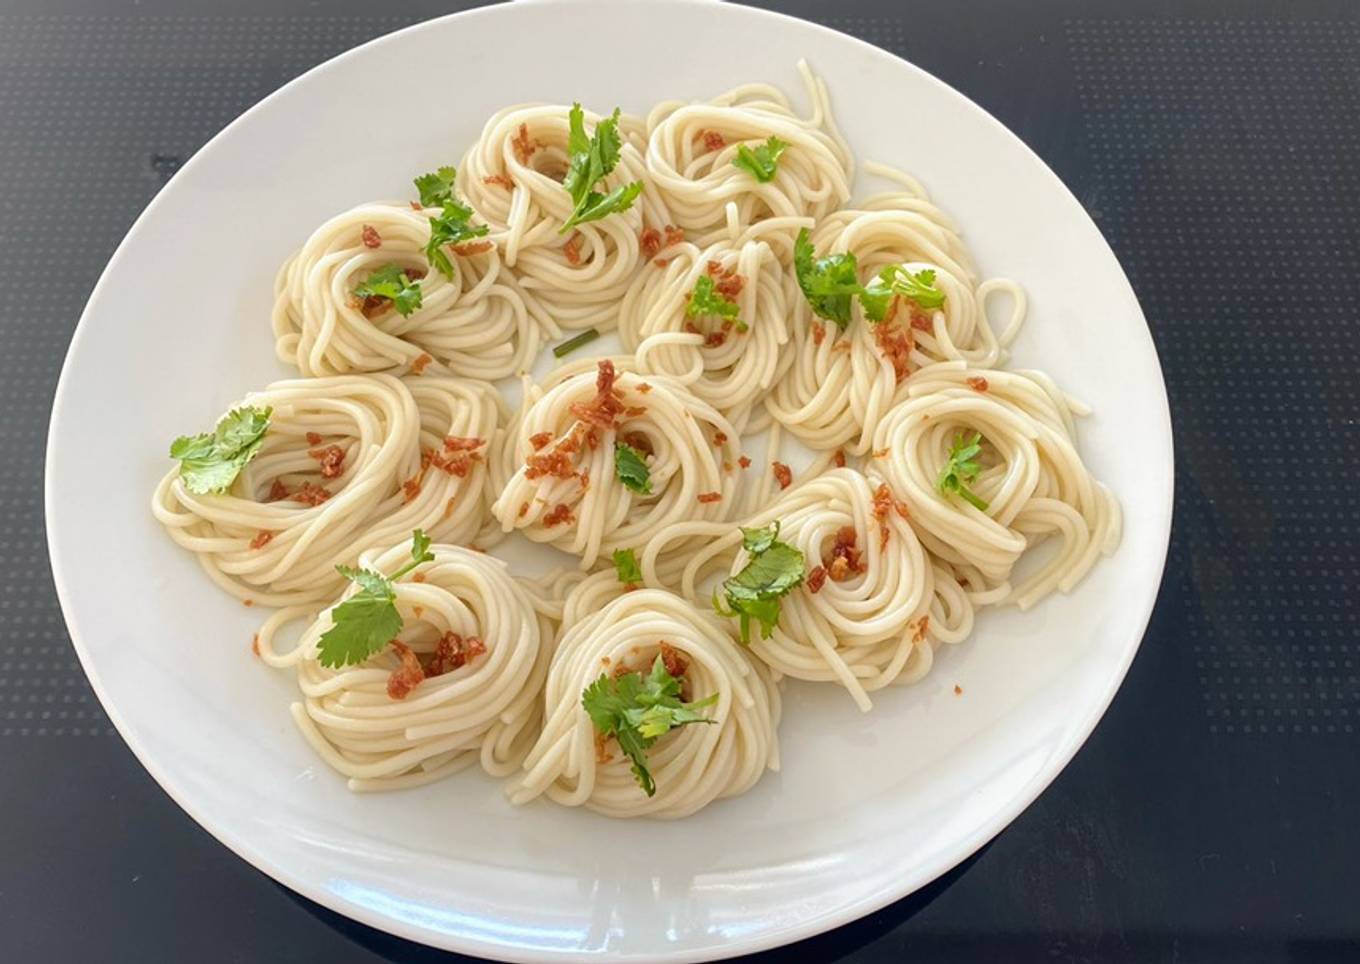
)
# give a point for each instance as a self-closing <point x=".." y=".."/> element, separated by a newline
<point x="348" y="462"/>
<point x="512" y="176"/>
<point x="730" y="363"/>
<point x="565" y="489"/>
<point x="869" y="363"/>
<point x="861" y="618"/>
<point x="460" y="684"/>
<point x="691" y="146"/>
<point x="693" y="765"/>
<point x="479" y="324"/>
<point x="1031" y="478"/>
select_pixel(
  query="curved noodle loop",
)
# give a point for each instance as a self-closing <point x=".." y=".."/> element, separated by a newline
<point x="691" y="147"/>
<point x="513" y="177"/>
<point x="860" y="617"/>
<point x="692" y="766"/>
<point x="870" y="362"/>
<point x="1030" y="478"/>
<point x="348" y="462"/>
<point x="729" y="363"/>
<point x="566" y="489"/>
<point x="480" y="324"/>
<point x="459" y="685"/>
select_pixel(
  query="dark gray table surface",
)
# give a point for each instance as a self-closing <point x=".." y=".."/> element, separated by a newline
<point x="1212" y="816"/>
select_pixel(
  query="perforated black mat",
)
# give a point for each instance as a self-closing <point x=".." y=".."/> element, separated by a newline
<point x="1211" y="816"/>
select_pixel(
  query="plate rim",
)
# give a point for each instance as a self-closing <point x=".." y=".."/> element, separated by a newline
<point x="912" y="881"/>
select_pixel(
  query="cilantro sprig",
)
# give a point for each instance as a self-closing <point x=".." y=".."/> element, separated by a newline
<point x="453" y="226"/>
<point x="637" y="710"/>
<point x="626" y="567"/>
<point x="762" y="161"/>
<point x="211" y="461"/>
<point x="368" y="620"/>
<point x="631" y="469"/>
<point x="894" y="280"/>
<point x="394" y="284"/>
<point x="962" y="469"/>
<point x="591" y="159"/>
<point x="706" y="301"/>
<point x="830" y="283"/>
<point x="775" y="569"/>
<point x="436" y="188"/>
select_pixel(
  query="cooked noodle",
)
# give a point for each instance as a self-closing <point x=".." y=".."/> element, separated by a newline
<point x="830" y="366"/>
<point x="863" y="627"/>
<point x="481" y="324"/>
<point x="1032" y="479"/>
<point x="694" y="765"/>
<point x="729" y="364"/>
<point x="277" y="549"/>
<point x="485" y="710"/>
<point x="691" y="146"/>
<point x="579" y="505"/>
<point x="513" y="175"/>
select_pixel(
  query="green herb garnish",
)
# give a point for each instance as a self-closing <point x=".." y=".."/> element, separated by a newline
<point x="962" y="470"/>
<point x="571" y="344"/>
<point x="637" y="710"/>
<point x="626" y="567"/>
<point x="210" y="462"/>
<point x="829" y="284"/>
<point x="705" y="301"/>
<point x="774" y="569"/>
<point x="591" y="159"/>
<point x="437" y="188"/>
<point x="893" y="280"/>
<point x="392" y="283"/>
<point x="451" y="227"/>
<point x="368" y="620"/>
<point x="760" y="162"/>
<point x="631" y="469"/>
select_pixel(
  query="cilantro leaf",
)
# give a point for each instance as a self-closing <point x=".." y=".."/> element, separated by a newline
<point x="437" y="188"/>
<point x="774" y="569"/>
<point x="962" y="469"/>
<point x="392" y="283"/>
<point x="626" y="567"/>
<point x="368" y="620"/>
<point x="706" y="301"/>
<point x="584" y="165"/>
<point x="451" y="227"/>
<point x="638" y="710"/>
<point x="631" y="469"/>
<point x="211" y="461"/>
<point x="420" y="548"/>
<point x="769" y="574"/>
<point x="876" y="300"/>
<point x="829" y="283"/>
<point x="919" y="287"/>
<point x="894" y="280"/>
<point x="602" y="205"/>
<point x="659" y="719"/>
<point x="760" y="162"/>
<point x="756" y="541"/>
<point x="369" y="581"/>
<point x="590" y="159"/>
<point x="361" y="625"/>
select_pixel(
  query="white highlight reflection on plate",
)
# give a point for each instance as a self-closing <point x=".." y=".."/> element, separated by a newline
<point x="867" y="808"/>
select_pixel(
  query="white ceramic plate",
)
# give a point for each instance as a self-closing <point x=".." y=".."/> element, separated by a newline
<point x="867" y="807"/>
